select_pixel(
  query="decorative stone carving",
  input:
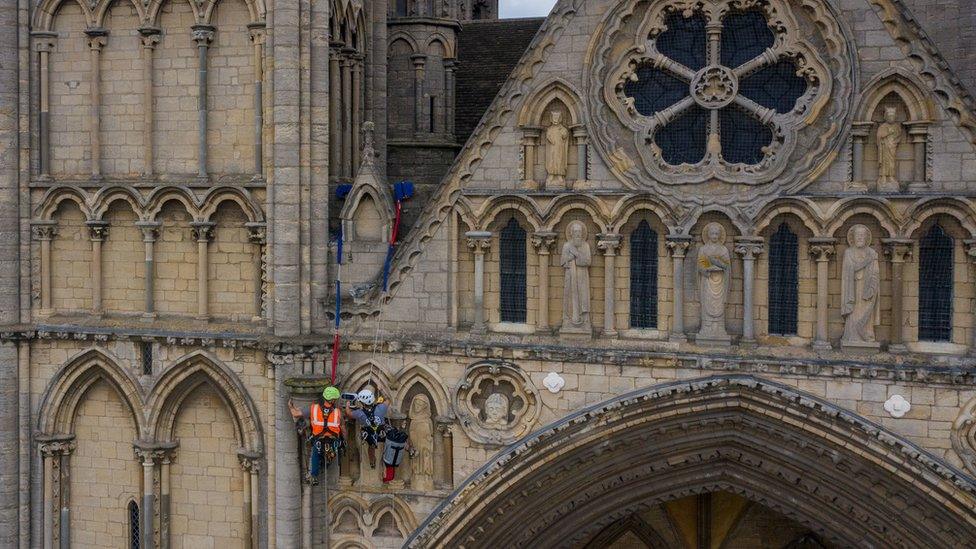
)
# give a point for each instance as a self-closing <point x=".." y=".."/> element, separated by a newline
<point x="496" y="402"/>
<point x="554" y="382"/>
<point x="897" y="406"/>
<point x="629" y="48"/>
<point x="860" y="289"/>
<point x="557" y="152"/>
<point x="890" y="135"/>
<point x="422" y="442"/>
<point x="963" y="435"/>
<point x="714" y="279"/>
<point x="575" y="259"/>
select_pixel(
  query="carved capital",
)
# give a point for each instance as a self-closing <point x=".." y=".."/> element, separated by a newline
<point x="861" y="130"/>
<point x="203" y="35"/>
<point x="97" y="38"/>
<point x="749" y="247"/>
<point x="897" y="250"/>
<point x="543" y="241"/>
<point x="609" y="243"/>
<point x="250" y="461"/>
<point x="150" y="230"/>
<point x="419" y="60"/>
<point x="821" y="248"/>
<point x="478" y="241"/>
<point x="44" y="41"/>
<point x="150" y="36"/>
<point x="44" y="230"/>
<point x="97" y="229"/>
<point x="677" y="244"/>
<point x="151" y="453"/>
<point x="257" y="32"/>
<point x="257" y="232"/>
<point x="451" y="64"/>
<point x="203" y="231"/>
<point x="56" y="446"/>
<point x="970" y="248"/>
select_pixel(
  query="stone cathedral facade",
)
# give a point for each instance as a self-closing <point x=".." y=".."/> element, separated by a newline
<point x="674" y="273"/>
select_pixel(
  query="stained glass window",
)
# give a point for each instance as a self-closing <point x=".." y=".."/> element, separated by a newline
<point x="783" y="281"/>
<point x="731" y="102"/>
<point x="935" y="276"/>
<point x="512" y="270"/>
<point x="643" y="277"/>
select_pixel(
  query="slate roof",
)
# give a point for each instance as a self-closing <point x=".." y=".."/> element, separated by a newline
<point x="487" y="51"/>
<point x="951" y="27"/>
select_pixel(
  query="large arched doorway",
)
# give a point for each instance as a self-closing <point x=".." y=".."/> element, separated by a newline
<point x="845" y="479"/>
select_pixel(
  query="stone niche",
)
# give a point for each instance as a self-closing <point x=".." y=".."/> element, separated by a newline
<point x="496" y="402"/>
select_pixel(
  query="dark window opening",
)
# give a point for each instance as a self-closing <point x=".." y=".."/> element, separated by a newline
<point x="512" y="271"/>
<point x="685" y="40"/>
<point x="133" y="512"/>
<point x="935" y="274"/>
<point x="783" y="281"/>
<point x="643" y="277"/>
<point x="683" y="140"/>
<point x="432" y="112"/>
<point x="743" y="137"/>
<point x="745" y="36"/>
<point x="147" y="357"/>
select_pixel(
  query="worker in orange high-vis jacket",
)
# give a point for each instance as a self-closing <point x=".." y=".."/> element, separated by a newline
<point x="324" y="428"/>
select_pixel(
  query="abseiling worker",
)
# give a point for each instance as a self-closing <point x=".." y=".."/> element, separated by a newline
<point x="324" y="422"/>
<point x="370" y="413"/>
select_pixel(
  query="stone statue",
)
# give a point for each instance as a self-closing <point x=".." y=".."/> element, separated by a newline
<point x="576" y="260"/>
<point x="714" y="276"/>
<point x="422" y="444"/>
<point x="496" y="411"/>
<point x="890" y="135"/>
<point x="557" y="151"/>
<point x="860" y="289"/>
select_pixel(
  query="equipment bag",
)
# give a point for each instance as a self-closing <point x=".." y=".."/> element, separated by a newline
<point x="396" y="443"/>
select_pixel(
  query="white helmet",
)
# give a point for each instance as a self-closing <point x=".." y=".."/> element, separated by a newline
<point x="366" y="397"/>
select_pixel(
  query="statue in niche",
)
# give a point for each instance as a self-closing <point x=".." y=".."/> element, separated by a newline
<point x="421" y="444"/>
<point x="860" y="289"/>
<point x="557" y="151"/>
<point x="714" y="277"/>
<point x="496" y="411"/>
<point x="890" y="135"/>
<point x="576" y="259"/>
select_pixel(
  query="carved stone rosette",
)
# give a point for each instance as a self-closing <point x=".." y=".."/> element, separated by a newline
<point x="496" y="402"/>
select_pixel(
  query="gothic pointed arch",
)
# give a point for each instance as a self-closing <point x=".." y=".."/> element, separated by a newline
<point x="429" y="380"/>
<point x="533" y="108"/>
<point x="183" y="377"/>
<point x="899" y="82"/>
<point x="849" y="480"/>
<point x="368" y="373"/>
<point x="67" y="388"/>
<point x="47" y="9"/>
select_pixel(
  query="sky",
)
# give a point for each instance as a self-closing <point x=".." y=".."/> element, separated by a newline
<point x="524" y="8"/>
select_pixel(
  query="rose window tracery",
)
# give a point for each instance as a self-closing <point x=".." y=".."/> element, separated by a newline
<point x="723" y="92"/>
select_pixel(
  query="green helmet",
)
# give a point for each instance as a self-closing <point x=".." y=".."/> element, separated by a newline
<point x="330" y="393"/>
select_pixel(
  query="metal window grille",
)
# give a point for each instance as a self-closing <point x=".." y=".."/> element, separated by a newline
<point x="512" y="271"/>
<point x="147" y="358"/>
<point x="133" y="510"/>
<point x="783" y="281"/>
<point x="685" y="41"/>
<point x="643" y="277"/>
<point x="935" y="274"/>
<point x="745" y="36"/>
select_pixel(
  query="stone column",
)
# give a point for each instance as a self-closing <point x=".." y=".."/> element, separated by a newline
<point x="97" y="38"/>
<point x="202" y="35"/>
<point x="98" y="231"/>
<point x="479" y="242"/>
<point x="251" y="463"/>
<point x="203" y="231"/>
<point x="579" y="133"/>
<point x="357" y="111"/>
<point x="347" y="154"/>
<point x="971" y="252"/>
<point x="678" y="246"/>
<point x="530" y="140"/>
<point x="44" y="45"/>
<point x="258" y="35"/>
<point x="55" y="451"/>
<point x="918" y="134"/>
<point x="150" y="38"/>
<point x="257" y="233"/>
<point x="147" y="456"/>
<point x="859" y="135"/>
<point x="749" y="248"/>
<point x="609" y="243"/>
<point x="419" y="60"/>
<point x="44" y="232"/>
<point x="898" y="251"/>
<point x="450" y="68"/>
<point x="821" y="249"/>
<point x="167" y="456"/>
<point x="150" y="232"/>
<point x="543" y="242"/>
<point x="447" y="457"/>
<point x="335" y="115"/>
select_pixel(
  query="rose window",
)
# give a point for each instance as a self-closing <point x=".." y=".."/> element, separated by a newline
<point x="716" y="90"/>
